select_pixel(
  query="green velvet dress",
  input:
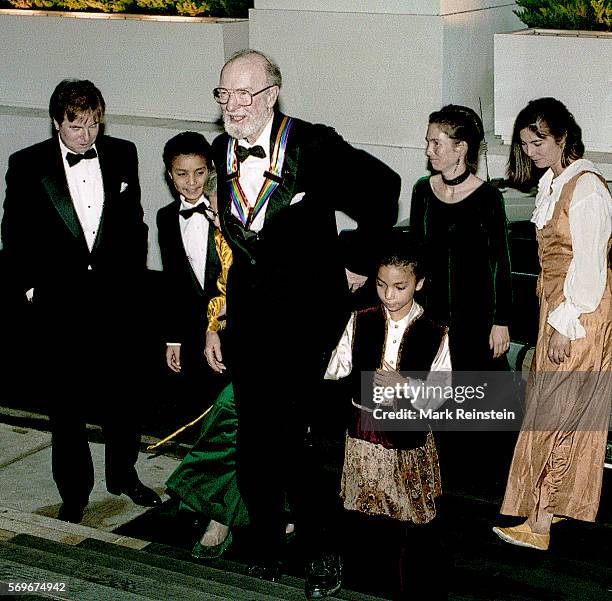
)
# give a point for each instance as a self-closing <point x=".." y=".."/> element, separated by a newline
<point x="205" y="480"/>
<point x="469" y="286"/>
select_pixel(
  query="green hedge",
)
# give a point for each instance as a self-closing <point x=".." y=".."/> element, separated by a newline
<point x="590" y="15"/>
<point x="200" y="8"/>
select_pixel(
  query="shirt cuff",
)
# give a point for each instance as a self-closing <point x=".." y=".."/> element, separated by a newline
<point x="565" y="320"/>
<point x="173" y="344"/>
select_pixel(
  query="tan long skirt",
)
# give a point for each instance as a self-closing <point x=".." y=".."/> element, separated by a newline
<point x="558" y="459"/>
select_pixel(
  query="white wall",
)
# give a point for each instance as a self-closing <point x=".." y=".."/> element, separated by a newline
<point x="375" y="69"/>
<point x="575" y="69"/>
<point x="396" y="7"/>
<point x="145" y="67"/>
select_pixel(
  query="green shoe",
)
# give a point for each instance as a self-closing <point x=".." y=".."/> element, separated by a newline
<point x="201" y="551"/>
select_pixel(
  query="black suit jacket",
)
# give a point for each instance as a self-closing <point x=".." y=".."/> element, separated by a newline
<point x="185" y="300"/>
<point x="45" y="247"/>
<point x="287" y="283"/>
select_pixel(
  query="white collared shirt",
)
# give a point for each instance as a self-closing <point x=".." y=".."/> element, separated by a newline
<point x="87" y="192"/>
<point x="590" y="220"/>
<point x="252" y="174"/>
<point x="194" y="233"/>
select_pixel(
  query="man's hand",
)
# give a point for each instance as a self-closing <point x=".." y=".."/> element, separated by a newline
<point x="355" y="281"/>
<point x="559" y="347"/>
<point x="499" y="340"/>
<point x="173" y="357"/>
<point x="212" y="351"/>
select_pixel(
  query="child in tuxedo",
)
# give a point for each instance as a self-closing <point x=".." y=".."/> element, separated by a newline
<point x="190" y="262"/>
<point x="196" y="262"/>
<point x="390" y="473"/>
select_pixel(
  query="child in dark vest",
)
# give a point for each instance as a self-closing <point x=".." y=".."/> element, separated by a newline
<point x="392" y="472"/>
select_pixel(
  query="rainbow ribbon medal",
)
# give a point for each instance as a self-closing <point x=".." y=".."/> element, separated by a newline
<point x="273" y="178"/>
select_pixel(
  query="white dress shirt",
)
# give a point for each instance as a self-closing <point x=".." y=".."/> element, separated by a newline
<point x="194" y="233"/>
<point x="252" y="174"/>
<point x="590" y="220"/>
<point x="87" y="192"/>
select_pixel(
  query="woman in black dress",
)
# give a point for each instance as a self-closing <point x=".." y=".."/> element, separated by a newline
<point x="462" y="223"/>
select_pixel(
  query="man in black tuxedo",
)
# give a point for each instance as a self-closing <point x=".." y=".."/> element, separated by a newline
<point x="280" y="182"/>
<point x="76" y="246"/>
<point x="190" y="266"/>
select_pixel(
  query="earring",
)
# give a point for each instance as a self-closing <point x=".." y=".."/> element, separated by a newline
<point x="456" y="167"/>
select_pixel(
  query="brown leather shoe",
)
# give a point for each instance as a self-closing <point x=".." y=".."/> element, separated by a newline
<point x="523" y="536"/>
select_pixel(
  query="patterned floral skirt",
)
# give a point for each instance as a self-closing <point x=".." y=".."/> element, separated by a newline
<point x="400" y="484"/>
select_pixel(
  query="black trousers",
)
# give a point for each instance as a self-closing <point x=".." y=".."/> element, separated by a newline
<point x="278" y="460"/>
<point x="72" y="465"/>
<point x="92" y="370"/>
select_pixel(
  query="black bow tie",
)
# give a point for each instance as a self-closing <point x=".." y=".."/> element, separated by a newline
<point x="187" y="213"/>
<point x="242" y="153"/>
<point x="73" y="158"/>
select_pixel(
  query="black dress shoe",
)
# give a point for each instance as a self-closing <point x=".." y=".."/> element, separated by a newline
<point x="139" y="493"/>
<point x="323" y="576"/>
<point x="70" y="512"/>
<point x="265" y="570"/>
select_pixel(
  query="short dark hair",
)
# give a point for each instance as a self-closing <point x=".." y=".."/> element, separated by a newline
<point x="73" y="97"/>
<point x="463" y="124"/>
<point x="544" y="117"/>
<point x="187" y="142"/>
<point x="401" y="249"/>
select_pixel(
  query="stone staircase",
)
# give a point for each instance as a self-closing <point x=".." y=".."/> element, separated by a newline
<point x="91" y="565"/>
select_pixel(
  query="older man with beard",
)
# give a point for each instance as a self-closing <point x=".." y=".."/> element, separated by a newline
<point x="280" y="182"/>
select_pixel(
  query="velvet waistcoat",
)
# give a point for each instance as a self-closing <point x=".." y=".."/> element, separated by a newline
<point x="417" y="351"/>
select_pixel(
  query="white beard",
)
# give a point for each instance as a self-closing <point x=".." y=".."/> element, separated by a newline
<point x="247" y="128"/>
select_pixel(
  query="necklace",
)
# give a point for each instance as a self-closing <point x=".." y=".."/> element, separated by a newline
<point x="456" y="180"/>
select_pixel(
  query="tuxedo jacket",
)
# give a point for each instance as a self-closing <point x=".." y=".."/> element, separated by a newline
<point x="287" y="283"/>
<point x="45" y="247"/>
<point x="185" y="299"/>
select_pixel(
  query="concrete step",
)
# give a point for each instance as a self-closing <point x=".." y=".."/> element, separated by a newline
<point x="70" y="562"/>
<point x="144" y="574"/>
<point x="223" y="571"/>
<point x="20" y="565"/>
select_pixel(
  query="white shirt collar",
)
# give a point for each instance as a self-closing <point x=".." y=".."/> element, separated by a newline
<point x="549" y="190"/>
<point x="415" y="311"/>
<point x="188" y="205"/>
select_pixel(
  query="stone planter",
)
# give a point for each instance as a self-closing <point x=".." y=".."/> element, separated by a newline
<point x="573" y="66"/>
<point x="145" y="66"/>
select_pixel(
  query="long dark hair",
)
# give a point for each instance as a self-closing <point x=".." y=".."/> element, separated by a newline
<point x="544" y="117"/>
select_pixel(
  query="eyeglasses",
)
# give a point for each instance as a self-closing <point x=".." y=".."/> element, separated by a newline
<point x="243" y="97"/>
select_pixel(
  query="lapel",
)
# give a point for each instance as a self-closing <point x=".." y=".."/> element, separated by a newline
<point x="56" y="185"/>
<point x="285" y="191"/>
<point x="212" y="264"/>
